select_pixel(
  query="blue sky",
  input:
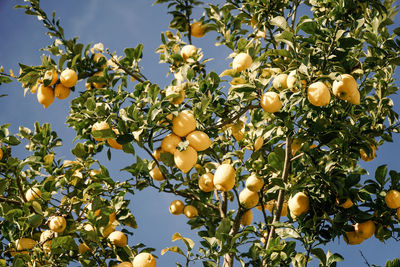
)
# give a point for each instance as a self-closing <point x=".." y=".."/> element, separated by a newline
<point x="120" y="24"/>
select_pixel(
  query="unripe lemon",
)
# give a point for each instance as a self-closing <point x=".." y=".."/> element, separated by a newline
<point x="270" y="102"/>
<point x="346" y="89"/>
<point x="206" y="182"/>
<point x="365" y="230"/>
<point x="318" y="94"/>
<point x="254" y="183"/>
<point x="224" y="177"/>
<point x="299" y="204"/>
<point x="199" y="140"/>
<point x="176" y="207"/>
<point x="197" y="29"/>
<point x="83" y="247"/>
<point x="347" y="204"/>
<point x="45" y="95"/>
<point x="392" y="199"/>
<point x="248" y="199"/>
<point x="170" y="142"/>
<point x="176" y="90"/>
<point x="247" y="218"/>
<point x="68" y="78"/>
<point x="157" y="153"/>
<point x="45" y="239"/>
<point x="353" y="238"/>
<point x="33" y="193"/>
<point x="58" y="224"/>
<point x="258" y="143"/>
<point x="144" y="259"/>
<point x="113" y="142"/>
<point x="280" y="82"/>
<point x="61" y="92"/>
<point x="368" y="157"/>
<point x="25" y="243"/>
<point x="156" y="174"/>
<point x="98" y="126"/>
<point x="124" y="264"/>
<point x="242" y="61"/>
<point x="186" y="159"/>
<point x="183" y="124"/>
<point x="187" y="51"/>
<point x="118" y="239"/>
<point x="190" y="211"/>
<point x="53" y="75"/>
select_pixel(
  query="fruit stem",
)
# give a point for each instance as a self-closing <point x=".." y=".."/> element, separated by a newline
<point x="281" y="194"/>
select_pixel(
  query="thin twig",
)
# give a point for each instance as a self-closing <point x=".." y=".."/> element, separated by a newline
<point x="234" y="118"/>
<point x="134" y="75"/>
<point x="365" y="259"/>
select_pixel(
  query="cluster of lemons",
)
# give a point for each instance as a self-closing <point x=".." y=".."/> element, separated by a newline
<point x="103" y="125"/>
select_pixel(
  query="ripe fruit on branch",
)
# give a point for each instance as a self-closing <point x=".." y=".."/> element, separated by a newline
<point x="248" y="199"/>
<point x="199" y="140"/>
<point x="99" y="126"/>
<point x="124" y="264"/>
<point x="224" y="177"/>
<point x="247" y="218"/>
<point x="68" y="78"/>
<point x="346" y="89"/>
<point x="347" y="204"/>
<point x="280" y="82"/>
<point x="254" y="183"/>
<point x="144" y="259"/>
<point x="51" y="74"/>
<point x="206" y="182"/>
<point x="318" y="94"/>
<point x="156" y="174"/>
<point x="258" y="143"/>
<point x="61" y="92"/>
<point x="83" y="247"/>
<point x="392" y="199"/>
<point x="113" y="142"/>
<point x="25" y="243"/>
<point x="186" y="159"/>
<point x="365" y="230"/>
<point x="190" y="211"/>
<point x="99" y="85"/>
<point x="170" y="142"/>
<point x="353" y="238"/>
<point x="58" y="224"/>
<point x="45" y="239"/>
<point x="118" y="239"/>
<point x="157" y="153"/>
<point x="176" y="207"/>
<point x="299" y="204"/>
<point x="183" y="124"/>
<point x="187" y="51"/>
<point x="270" y="102"/>
<point x="368" y="157"/>
<point x="33" y="193"/>
<point x="197" y="29"/>
<point x="45" y="95"/>
<point x="176" y="90"/>
<point x="242" y="61"/>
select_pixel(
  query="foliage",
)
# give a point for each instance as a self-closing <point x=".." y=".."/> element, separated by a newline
<point x="336" y="37"/>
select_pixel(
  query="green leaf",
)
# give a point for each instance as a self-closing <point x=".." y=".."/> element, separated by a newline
<point x="80" y="151"/>
<point x="308" y="26"/>
<point x="223" y="229"/>
<point x="64" y="242"/>
<point x="332" y="258"/>
<point x="319" y="254"/>
<point x="275" y="161"/>
<point x="172" y="249"/>
<point x="280" y="22"/>
<point x="380" y="174"/>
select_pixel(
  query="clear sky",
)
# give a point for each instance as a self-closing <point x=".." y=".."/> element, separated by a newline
<point x="120" y="24"/>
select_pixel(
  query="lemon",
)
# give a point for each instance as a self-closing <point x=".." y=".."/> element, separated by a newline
<point x="299" y="204"/>
<point x="242" y="61"/>
<point x="248" y="199"/>
<point x="51" y="74"/>
<point x="183" y="124"/>
<point x="45" y="239"/>
<point x="392" y="199"/>
<point x="280" y="82"/>
<point x="197" y="29"/>
<point x="318" y="94"/>
<point x="176" y="90"/>
<point x="270" y="102"/>
<point x="118" y="239"/>
<point x="254" y="183"/>
<point x="224" y="177"/>
<point x="368" y="157"/>
<point x="112" y="142"/>
<point x="98" y="126"/>
<point x="58" y="224"/>
<point x="347" y="204"/>
<point x="68" y="78"/>
<point x="187" y="51"/>
<point x="347" y="89"/>
<point x="144" y="259"/>
<point x="206" y="182"/>
<point x="365" y="230"/>
<point x="25" y="243"/>
<point x="61" y="92"/>
<point x="32" y="194"/>
<point x="258" y="143"/>
<point x="186" y="159"/>
<point x="199" y="140"/>
<point x="170" y="142"/>
<point x="176" y="207"/>
<point x="45" y="95"/>
<point x="353" y="238"/>
<point x="247" y="218"/>
<point x="124" y="264"/>
<point x="156" y="174"/>
<point x="190" y="211"/>
<point x="157" y="153"/>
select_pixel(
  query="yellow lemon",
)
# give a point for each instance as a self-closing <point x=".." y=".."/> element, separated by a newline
<point x="51" y="74"/>
<point x="318" y="94"/>
<point x="365" y="230"/>
<point x="157" y="153"/>
<point x="270" y="102"/>
<point x="83" y="247"/>
<point x="176" y="207"/>
<point x="206" y="182"/>
<point x="124" y="264"/>
<point x="58" y="224"/>
<point x="346" y="89"/>
<point x="156" y="174"/>
<point x="238" y="135"/>
<point x="392" y="199"/>
<point x="242" y="61"/>
<point x="353" y="238"/>
<point x="291" y="79"/>
<point x="347" y="204"/>
<point x="258" y="143"/>
<point x="97" y="57"/>
<point x="98" y="126"/>
<point x="187" y="51"/>
<point x="199" y="140"/>
<point x="25" y="243"/>
<point x="280" y="82"/>
<point x="110" y="228"/>
<point x="68" y="78"/>
<point x="118" y="239"/>
<point x="248" y="199"/>
<point x="61" y="92"/>
<point x="299" y="204"/>
<point x="368" y="157"/>
<point x="45" y="95"/>
<point x="224" y="177"/>
<point x="197" y="29"/>
<point x="45" y="239"/>
<point x="144" y="259"/>
<point x="176" y="90"/>
<point x="186" y="159"/>
<point x="170" y="142"/>
<point x="190" y="211"/>
<point x="113" y="142"/>
<point x="254" y="183"/>
<point x="247" y="218"/>
<point x="184" y="123"/>
<point x="33" y="193"/>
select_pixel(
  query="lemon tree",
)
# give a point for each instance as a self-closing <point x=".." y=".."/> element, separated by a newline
<point x="263" y="159"/>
